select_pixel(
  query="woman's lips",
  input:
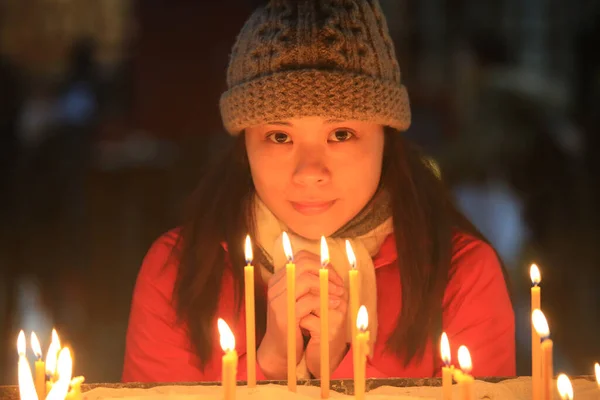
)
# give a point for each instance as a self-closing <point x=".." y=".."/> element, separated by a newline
<point x="310" y="208"/>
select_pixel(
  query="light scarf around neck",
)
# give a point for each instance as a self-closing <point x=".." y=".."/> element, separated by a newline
<point x="366" y="233"/>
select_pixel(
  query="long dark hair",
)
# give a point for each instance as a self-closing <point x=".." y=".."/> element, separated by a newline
<point x="425" y="220"/>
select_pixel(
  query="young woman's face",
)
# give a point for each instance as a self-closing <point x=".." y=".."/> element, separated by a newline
<point x="315" y="174"/>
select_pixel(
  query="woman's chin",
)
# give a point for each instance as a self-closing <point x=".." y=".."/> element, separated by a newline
<point x="313" y="231"/>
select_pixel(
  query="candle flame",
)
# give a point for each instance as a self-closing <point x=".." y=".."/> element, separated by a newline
<point x="227" y="338"/>
<point x="350" y="254"/>
<point x="21" y="344"/>
<point x="26" y="385"/>
<point x="534" y="273"/>
<point x="324" y="252"/>
<point x="35" y="345"/>
<point x="362" y="319"/>
<point x="597" y="370"/>
<point x="248" y="250"/>
<point x="464" y="359"/>
<point x="55" y="337"/>
<point x="540" y="324"/>
<point x="565" y="389"/>
<point x="65" y="372"/>
<point x="65" y="365"/>
<point x="287" y="247"/>
<point x="445" y="349"/>
<point x="52" y="354"/>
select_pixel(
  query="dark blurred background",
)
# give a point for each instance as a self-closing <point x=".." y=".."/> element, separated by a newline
<point x="109" y="111"/>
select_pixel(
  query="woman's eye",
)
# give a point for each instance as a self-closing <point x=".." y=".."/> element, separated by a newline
<point x="279" y="137"/>
<point x="341" y="135"/>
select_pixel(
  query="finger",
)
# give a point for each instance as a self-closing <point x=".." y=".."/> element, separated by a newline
<point x="311" y="323"/>
<point x="334" y="277"/>
<point x="305" y="262"/>
<point x="342" y="306"/>
<point x="305" y="283"/>
<point x="308" y="256"/>
<point x="311" y="304"/>
<point x="306" y="305"/>
<point x="315" y="261"/>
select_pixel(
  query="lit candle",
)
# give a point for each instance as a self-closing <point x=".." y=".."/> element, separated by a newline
<point x="465" y="382"/>
<point x="64" y="366"/>
<point x="541" y="326"/>
<point x="26" y="385"/>
<point x="229" y="361"/>
<point x="290" y="271"/>
<point x="324" y="296"/>
<point x="447" y="369"/>
<point x="565" y="389"/>
<point x="40" y="367"/>
<point x="75" y="390"/>
<point x="250" y="317"/>
<point x="362" y="349"/>
<point x="353" y="289"/>
<point x="597" y="371"/>
<point x="51" y="361"/>
<point x="536" y="374"/>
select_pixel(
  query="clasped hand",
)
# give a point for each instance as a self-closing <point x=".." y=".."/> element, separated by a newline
<point x="272" y="352"/>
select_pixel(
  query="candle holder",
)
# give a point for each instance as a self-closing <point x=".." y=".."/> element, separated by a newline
<point x="342" y="386"/>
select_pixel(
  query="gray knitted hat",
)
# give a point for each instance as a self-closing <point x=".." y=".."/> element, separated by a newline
<point x="328" y="58"/>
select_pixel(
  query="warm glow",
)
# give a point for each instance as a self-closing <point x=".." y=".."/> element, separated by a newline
<point x="464" y="359"/>
<point x="21" y="344"/>
<point x="35" y="345"/>
<point x="445" y="349"/>
<point x="227" y="338"/>
<point x="287" y="247"/>
<point x="248" y="250"/>
<point x="362" y="319"/>
<point x="350" y="254"/>
<point x="597" y="370"/>
<point x="534" y="273"/>
<point x="26" y="385"/>
<point x="324" y="252"/>
<point x="565" y="389"/>
<point x="540" y="324"/>
<point x="65" y="372"/>
<point x="52" y="354"/>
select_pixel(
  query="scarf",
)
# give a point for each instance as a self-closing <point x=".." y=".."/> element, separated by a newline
<point x="366" y="233"/>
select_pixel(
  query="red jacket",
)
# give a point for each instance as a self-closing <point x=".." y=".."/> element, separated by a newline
<point x="477" y="313"/>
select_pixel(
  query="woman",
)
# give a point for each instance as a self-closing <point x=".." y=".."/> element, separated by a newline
<point x="315" y="104"/>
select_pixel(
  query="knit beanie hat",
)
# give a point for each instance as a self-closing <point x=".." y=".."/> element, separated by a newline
<point x="327" y="58"/>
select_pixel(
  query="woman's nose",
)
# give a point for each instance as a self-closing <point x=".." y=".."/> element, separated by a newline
<point x="311" y="169"/>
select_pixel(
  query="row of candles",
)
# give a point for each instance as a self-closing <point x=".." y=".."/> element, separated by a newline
<point x="542" y="370"/>
<point x="360" y="333"/>
<point x="52" y="379"/>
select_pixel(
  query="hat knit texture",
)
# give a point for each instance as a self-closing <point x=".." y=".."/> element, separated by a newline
<point x="329" y="58"/>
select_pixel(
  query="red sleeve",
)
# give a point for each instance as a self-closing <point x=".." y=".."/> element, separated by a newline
<point x="157" y="348"/>
<point x="478" y="312"/>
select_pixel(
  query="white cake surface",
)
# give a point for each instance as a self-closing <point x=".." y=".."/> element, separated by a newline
<point x="513" y="389"/>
